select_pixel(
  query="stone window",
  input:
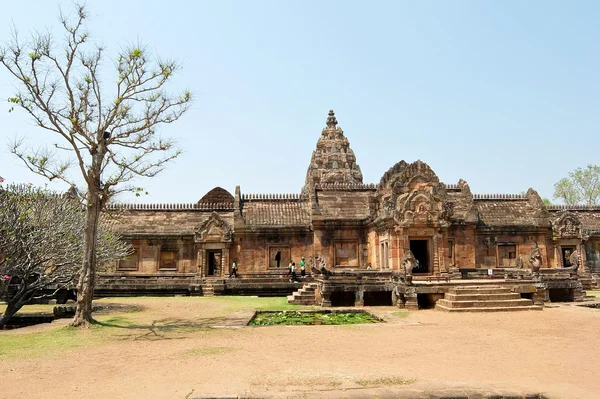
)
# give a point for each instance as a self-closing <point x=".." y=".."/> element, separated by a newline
<point x="507" y="255"/>
<point x="130" y="262"/>
<point x="168" y="259"/>
<point x="280" y="256"/>
<point x="346" y="253"/>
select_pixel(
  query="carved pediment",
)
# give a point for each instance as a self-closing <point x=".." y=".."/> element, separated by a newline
<point x="214" y="229"/>
<point x="421" y="207"/>
<point x="567" y="225"/>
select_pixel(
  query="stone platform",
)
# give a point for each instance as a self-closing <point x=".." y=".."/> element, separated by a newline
<point x="485" y="298"/>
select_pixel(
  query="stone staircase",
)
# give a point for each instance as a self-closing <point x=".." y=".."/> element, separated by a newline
<point x="484" y="299"/>
<point x="208" y="288"/>
<point x="304" y="296"/>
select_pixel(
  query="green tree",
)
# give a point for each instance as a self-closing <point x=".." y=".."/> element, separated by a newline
<point x="581" y="187"/>
<point x="41" y="239"/>
<point x="109" y="134"/>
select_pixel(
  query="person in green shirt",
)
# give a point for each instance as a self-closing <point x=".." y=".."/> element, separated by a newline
<point x="303" y="268"/>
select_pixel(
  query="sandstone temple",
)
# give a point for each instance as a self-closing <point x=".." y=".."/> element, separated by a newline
<point x="358" y="238"/>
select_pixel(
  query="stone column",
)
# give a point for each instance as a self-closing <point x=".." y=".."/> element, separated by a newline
<point x="200" y="262"/>
<point x="436" y="258"/>
<point x="325" y="295"/>
<point x="411" y="298"/>
<point x="359" y="297"/>
<point x="225" y="263"/>
<point x="540" y="295"/>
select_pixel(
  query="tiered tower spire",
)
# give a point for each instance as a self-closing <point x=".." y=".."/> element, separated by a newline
<point x="333" y="161"/>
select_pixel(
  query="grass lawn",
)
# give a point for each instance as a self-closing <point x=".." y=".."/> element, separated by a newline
<point x="27" y="309"/>
<point x="595" y="293"/>
<point x="154" y="318"/>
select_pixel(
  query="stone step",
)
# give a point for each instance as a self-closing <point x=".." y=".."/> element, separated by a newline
<point x="302" y="293"/>
<point x="487" y="309"/>
<point x="482" y="297"/>
<point x="479" y="290"/>
<point x="292" y="300"/>
<point x="485" y="304"/>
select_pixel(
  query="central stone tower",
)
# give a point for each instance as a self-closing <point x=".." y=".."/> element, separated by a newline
<point x="333" y="161"/>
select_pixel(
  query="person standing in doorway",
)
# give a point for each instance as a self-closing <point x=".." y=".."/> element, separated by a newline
<point x="278" y="258"/>
<point x="233" y="269"/>
<point x="303" y="267"/>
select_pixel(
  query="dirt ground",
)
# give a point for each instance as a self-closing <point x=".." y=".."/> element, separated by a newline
<point x="167" y="351"/>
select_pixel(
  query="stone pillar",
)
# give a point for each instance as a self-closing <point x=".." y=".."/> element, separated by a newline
<point x="359" y="297"/>
<point x="411" y="298"/>
<point x="202" y="262"/>
<point x="540" y="295"/>
<point x="325" y="294"/>
<point x="326" y="301"/>
<point x="225" y="263"/>
<point x="436" y="258"/>
<point x="395" y="298"/>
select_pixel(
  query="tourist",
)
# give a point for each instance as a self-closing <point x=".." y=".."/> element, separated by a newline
<point x="278" y="258"/>
<point x="303" y="268"/>
<point x="233" y="269"/>
<point x="289" y="273"/>
<point x="293" y="272"/>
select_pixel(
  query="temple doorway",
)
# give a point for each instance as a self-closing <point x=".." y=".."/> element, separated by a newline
<point x="566" y="255"/>
<point x="214" y="262"/>
<point x="420" y="250"/>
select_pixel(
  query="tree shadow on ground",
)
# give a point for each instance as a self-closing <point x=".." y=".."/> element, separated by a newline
<point x="163" y="329"/>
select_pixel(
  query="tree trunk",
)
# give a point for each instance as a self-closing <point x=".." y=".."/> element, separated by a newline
<point x="14" y="305"/>
<point x="87" y="277"/>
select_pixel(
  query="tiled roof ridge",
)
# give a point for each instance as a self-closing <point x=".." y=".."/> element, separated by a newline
<point x="499" y="196"/>
<point x="346" y="186"/>
<point x="564" y="207"/>
<point x="169" y="207"/>
<point x="270" y="196"/>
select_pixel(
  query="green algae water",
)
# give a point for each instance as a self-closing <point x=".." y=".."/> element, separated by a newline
<point x="291" y="317"/>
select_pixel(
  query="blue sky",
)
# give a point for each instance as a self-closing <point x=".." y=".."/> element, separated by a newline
<point x="504" y="94"/>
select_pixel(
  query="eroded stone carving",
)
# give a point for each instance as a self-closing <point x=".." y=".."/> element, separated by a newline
<point x="214" y="229"/>
<point x="567" y="225"/>
<point x="575" y="261"/>
<point x="412" y="194"/>
<point x="408" y="262"/>
<point x="519" y="263"/>
<point x="535" y="259"/>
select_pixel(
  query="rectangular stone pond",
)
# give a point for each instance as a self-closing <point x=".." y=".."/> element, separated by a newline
<point x="313" y="317"/>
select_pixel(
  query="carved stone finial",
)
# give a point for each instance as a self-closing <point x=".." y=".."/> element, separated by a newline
<point x="331" y="121"/>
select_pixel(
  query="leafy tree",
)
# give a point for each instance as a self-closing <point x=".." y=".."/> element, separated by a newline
<point x="582" y="186"/>
<point x="108" y="135"/>
<point x="41" y="237"/>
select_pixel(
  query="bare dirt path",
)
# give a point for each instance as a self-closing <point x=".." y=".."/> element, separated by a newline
<point x="556" y="352"/>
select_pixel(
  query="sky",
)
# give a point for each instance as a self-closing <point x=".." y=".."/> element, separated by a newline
<point x="504" y="94"/>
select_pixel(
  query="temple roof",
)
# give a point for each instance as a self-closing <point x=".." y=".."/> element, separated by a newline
<point x="279" y="212"/>
<point x="500" y="212"/>
<point x="333" y="161"/>
<point x="344" y="205"/>
<point x="216" y="195"/>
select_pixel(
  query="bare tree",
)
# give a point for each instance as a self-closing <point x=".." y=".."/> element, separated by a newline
<point x="582" y="186"/>
<point x="109" y="136"/>
<point x="41" y="236"/>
